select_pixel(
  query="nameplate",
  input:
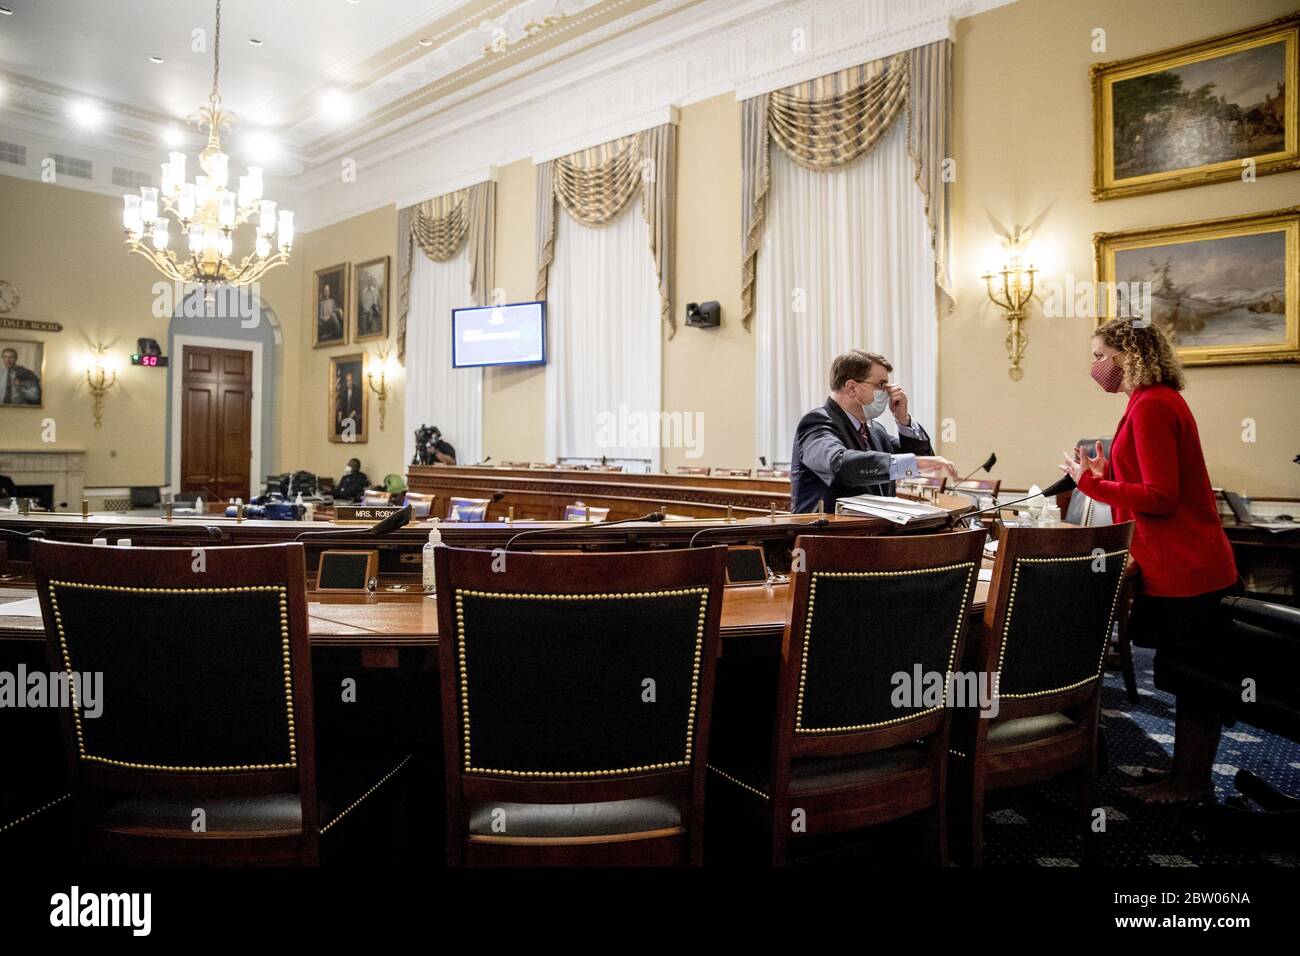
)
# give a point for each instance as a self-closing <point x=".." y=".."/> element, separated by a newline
<point x="363" y="514"/>
<point x="31" y="325"/>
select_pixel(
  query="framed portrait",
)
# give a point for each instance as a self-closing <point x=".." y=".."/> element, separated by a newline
<point x="1226" y="289"/>
<point x="1206" y="112"/>
<point x="22" y="373"/>
<point x="331" y="306"/>
<point x="370" y="295"/>
<point x="349" y="416"/>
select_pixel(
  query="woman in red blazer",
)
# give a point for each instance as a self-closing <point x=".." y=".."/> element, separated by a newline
<point x="1156" y="477"/>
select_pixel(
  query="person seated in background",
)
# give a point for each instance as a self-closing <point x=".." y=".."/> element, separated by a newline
<point x="353" y="482"/>
<point x="840" y="450"/>
<point x="443" y="452"/>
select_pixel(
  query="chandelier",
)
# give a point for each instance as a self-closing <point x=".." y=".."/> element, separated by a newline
<point x="206" y="210"/>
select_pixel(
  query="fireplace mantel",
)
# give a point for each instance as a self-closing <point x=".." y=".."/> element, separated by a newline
<point x="64" y="469"/>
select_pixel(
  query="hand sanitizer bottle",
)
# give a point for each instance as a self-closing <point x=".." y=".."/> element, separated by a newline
<point x="198" y="505"/>
<point x="435" y="541"/>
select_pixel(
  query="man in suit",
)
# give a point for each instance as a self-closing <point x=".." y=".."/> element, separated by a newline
<point x="840" y="450"/>
<point x="347" y="405"/>
<point x="18" y="385"/>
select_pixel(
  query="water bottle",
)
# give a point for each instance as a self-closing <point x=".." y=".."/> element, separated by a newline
<point x="198" y="505"/>
<point x="434" y="542"/>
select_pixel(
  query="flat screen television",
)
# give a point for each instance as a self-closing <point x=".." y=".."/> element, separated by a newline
<point x="499" y="335"/>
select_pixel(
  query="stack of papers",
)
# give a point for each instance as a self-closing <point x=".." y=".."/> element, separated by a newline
<point x="897" y="510"/>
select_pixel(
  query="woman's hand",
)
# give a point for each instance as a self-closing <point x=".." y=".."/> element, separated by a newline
<point x="1075" y="465"/>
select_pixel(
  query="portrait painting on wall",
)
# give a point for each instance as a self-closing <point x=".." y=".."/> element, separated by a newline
<point x="22" y="373"/>
<point x="1220" y="109"/>
<point x="330" y="304"/>
<point x="349" y="418"/>
<point x="370" y="289"/>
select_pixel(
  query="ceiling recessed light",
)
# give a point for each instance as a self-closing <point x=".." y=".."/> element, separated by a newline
<point x="172" y="136"/>
<point x="335" y="106"/>
<point x="155" y="59"/>
<point x="254" y="41"/>
<point x="425" y="41"/>
<point x="85" y="113"/>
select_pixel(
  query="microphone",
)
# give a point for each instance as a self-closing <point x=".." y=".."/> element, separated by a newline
<point x="397" y="519"/>
<point x="762" y="460"/>
<point x="819" y="523"/>
<point x="483" y="462"/>
<point x="1066" y="483"/>
<point x="988" y="464"/>
<point x="652" y="517"/>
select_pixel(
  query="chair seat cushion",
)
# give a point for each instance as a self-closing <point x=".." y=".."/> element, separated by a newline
<point x="277" y="812"/>
<point x="833" y="773"/>
<point x="573" y="819"/>
<point x="1019" y="731"/>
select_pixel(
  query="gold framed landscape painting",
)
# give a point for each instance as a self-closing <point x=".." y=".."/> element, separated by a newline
<point x="349" y="418"/>
<point x="1227" y="289"/>
<point x="1197" y="113"/>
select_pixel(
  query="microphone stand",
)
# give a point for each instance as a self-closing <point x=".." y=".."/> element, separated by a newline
<point x="787" y="525"/>
<point x="1051" y="491"/>
<point x="653" y="516"/>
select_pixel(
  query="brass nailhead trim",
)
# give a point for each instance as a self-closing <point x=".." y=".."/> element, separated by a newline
<point x="359" y="800"/>
<point x="130" y="765"/>
<point x="1011" y="603"/>
<point x="568" y="774"/>
<point x="27" y="816"/>
<point x="799" y="728"/>
<point x="740" y="783"/>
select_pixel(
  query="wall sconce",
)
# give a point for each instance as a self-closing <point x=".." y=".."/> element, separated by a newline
<point x="388" y="369"/>
<point x="101" y="375"/>
<point x="1016" y="289"/>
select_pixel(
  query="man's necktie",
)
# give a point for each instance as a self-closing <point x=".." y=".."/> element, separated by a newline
<point x="862" y="431"/>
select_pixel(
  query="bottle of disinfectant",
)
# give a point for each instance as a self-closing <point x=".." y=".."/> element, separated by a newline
<point x="435" y="541"/>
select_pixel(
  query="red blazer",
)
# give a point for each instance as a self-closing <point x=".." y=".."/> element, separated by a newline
<point x="1156" y="478"/>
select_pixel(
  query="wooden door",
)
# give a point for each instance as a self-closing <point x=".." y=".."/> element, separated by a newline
<point x="216" y="422"/>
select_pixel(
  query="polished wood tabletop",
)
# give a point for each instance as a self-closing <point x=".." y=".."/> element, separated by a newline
<point x="412" y="620"/>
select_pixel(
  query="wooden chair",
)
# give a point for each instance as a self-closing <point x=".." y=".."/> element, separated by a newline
<point x="845" y="753"/>
<point x="691" y="470"/>
<point x="1047" y="625"/>
<point x="576" y="695"/>
<point x="207" y="688"/>
<point x="580" y="512"/>
<point x="422" y="505"/>
<point x="468" y="509"/>
<point x="375" y="498"/>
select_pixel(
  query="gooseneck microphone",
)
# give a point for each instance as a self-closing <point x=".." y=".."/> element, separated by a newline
<point x="989" y="462"/>
<point x="397" y="519"/>
<point x="819" y="523"/>
<point x="651" y="517"/>
<point x="1066" y="483"/>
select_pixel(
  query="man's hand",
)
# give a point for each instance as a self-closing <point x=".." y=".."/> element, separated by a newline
<point x="936" y="466"/>
<point x="898" y="404"/>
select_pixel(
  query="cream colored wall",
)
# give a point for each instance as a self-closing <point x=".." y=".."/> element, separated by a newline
<point x="62" y="249"/>
<point x="1023" y="143"/>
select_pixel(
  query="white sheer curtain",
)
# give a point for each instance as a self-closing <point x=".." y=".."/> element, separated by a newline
<point x="845" y="263"/>
<point x="603" y="377"/>
<point x="436" y="393"/>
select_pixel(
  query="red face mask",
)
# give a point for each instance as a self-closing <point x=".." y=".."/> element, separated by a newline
<point x="1107" y="374"/>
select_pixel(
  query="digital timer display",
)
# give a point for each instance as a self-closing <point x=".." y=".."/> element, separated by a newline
<point x="150" y="361"/>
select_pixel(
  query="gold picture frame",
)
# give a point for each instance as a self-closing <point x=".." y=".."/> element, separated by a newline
<point x="334" y="329"/>
<point x="1181" y="103"/>
<point x="358" y="409"/>
<point x="1228" y="289"/>
<point x="28" y="373"/>
<point x="363" y="329"/>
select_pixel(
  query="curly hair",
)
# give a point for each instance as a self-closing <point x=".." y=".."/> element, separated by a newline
<point x="1150" y="357"/>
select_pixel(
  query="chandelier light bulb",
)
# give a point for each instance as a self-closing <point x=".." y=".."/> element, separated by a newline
<point x="196" y="238"/>
<point x="131" y="214"/>
<point x="218" y="167"/>
<point x="148" y="203"/>
<point x="267" y="224"/>
<point x="286" y="230"/>
<point x="185" y="203"/>
<point x="160" y="233"/>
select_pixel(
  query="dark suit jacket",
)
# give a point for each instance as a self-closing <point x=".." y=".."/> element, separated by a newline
<point x="826" y="441"/>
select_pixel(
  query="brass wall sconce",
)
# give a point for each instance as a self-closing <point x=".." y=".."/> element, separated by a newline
<point x="1017" y="288"/>
<point x="388" y="369"/>
<point x="101" y="375"/>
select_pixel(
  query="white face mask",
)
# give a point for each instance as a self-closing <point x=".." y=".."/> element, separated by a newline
<point x="877" y="406"/>
<point x="347" y="470"/>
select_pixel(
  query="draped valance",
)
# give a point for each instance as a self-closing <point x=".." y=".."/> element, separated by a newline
<point x="594" y="185"/>
<point x="831" y="121"/>
<point x="441" y="227"/>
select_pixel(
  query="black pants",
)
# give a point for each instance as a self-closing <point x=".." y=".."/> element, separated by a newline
<point x="1185" y="632"/>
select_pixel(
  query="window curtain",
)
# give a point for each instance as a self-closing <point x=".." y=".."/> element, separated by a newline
<point x="603" y="376"/>
<point x="845" y="262"/>
<point x="444" y="261"/>
<point x="436" y="393"/>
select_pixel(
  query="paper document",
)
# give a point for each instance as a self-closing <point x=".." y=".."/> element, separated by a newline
<point x="26" y="607"/>
<point x="897" y="510"/>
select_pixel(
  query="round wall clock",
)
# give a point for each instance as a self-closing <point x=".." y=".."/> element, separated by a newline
<point x="8" y="296"/>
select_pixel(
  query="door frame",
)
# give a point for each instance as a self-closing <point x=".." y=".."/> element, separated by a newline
<point x="179" y="342"/>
